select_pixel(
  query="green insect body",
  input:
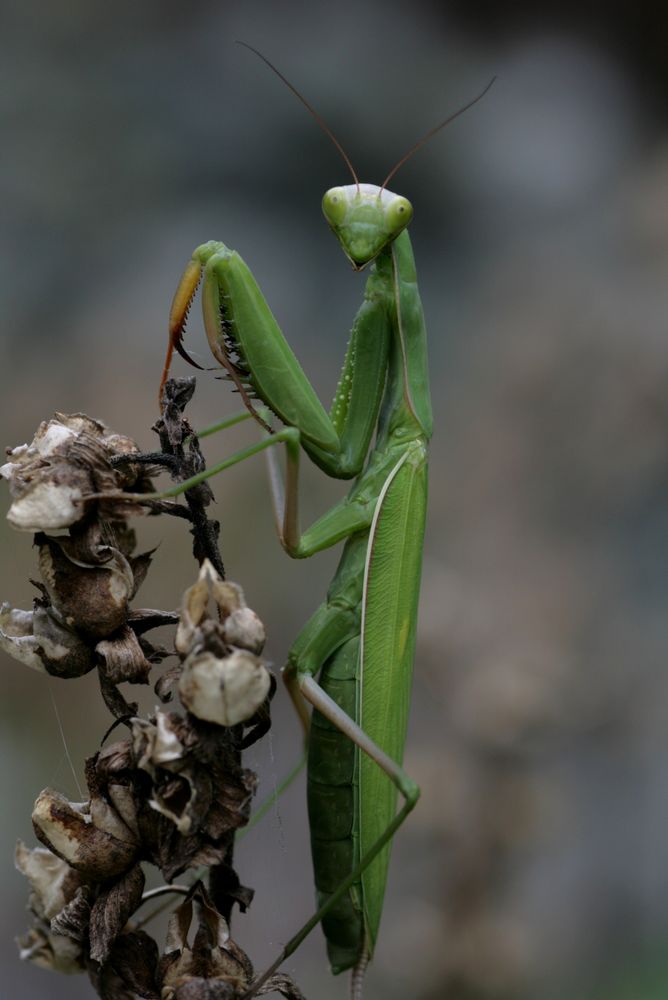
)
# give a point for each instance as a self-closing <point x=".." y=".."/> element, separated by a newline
<point x="360" y="642"/>
<point x="363" y="638"/>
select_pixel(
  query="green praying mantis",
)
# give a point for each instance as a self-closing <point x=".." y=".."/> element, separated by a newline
<point x="360" y="642"/>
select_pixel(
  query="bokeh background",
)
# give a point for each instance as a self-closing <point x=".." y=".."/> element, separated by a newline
<point x="536" y="865"/>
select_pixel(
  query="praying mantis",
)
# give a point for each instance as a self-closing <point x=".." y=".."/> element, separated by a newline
<point x="360" y="642"/>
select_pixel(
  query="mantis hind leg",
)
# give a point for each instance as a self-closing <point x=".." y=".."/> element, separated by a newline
<point x="328" y="709"/>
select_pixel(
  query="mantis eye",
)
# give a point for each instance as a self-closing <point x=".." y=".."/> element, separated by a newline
<point x="334" y="206"/>
<point x="399" y="213"/>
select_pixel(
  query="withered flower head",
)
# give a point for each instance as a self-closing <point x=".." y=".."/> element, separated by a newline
<point x="212" y="965"/>
<point x="192" y="968"/>
<point x="174" y="793"/>
<point x="67" y="460"/>
<point x="91" y="837"/>
<point x="89" y="574"/>
<point x="80" y="621"/>
<point x="39" y="640"/>
<point x="88" y="581"/>
<point x="55" y="887"/>
<point x="159" y="751"/>
<point x="196" y="784"/>
<point x="222" y="680"/>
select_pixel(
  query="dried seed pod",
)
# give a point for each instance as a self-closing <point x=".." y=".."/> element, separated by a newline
<point x="196" y="784"/>
<point x="88" y="837"/>
<point x="159" y="751"/>
<point x="51" y="951"/>
<point x="243" y="628"/>
<point x="53" y="882"/>
<point x="230" y="603"/>
<point x="212" y="964"/>
<point x="88" y="597"/>
<point x="67" y="460"/>
<point x="39" y="640"/>
<point x="89" y="575"/>
<point x="222" y="680"/>
<point x="130" y="970"/>
<point x="54" y="886"/>
<point x="110" y="912"/>
<point x="226" y="690"/>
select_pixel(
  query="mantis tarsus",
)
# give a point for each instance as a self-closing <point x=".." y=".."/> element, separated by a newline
<point x="361" y="639"/>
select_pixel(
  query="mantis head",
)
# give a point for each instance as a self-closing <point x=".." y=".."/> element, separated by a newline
<point x="365" y="218"/>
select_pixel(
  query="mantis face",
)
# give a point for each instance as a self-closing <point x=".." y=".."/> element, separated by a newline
<point x="364" y="219"/>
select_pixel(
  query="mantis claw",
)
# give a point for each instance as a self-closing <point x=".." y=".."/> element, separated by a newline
<point x="178" y="345"/>
<point x="178" y="314"/>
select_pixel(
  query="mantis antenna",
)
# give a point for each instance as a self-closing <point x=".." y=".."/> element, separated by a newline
<point x="432" y="131"/>
<point x="309" y="107"/>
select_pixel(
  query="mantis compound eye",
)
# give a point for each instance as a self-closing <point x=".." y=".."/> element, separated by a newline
<point x="399" y="214"/>
<point x="334" y="206"/>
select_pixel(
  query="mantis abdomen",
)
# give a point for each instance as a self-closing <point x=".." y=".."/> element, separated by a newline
<point x="351" y="800"/>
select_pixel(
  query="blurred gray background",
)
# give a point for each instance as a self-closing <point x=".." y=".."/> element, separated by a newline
<point x="536" y="865"/>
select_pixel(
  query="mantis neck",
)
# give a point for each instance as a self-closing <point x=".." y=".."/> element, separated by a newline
<point x="406" y="407"/>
